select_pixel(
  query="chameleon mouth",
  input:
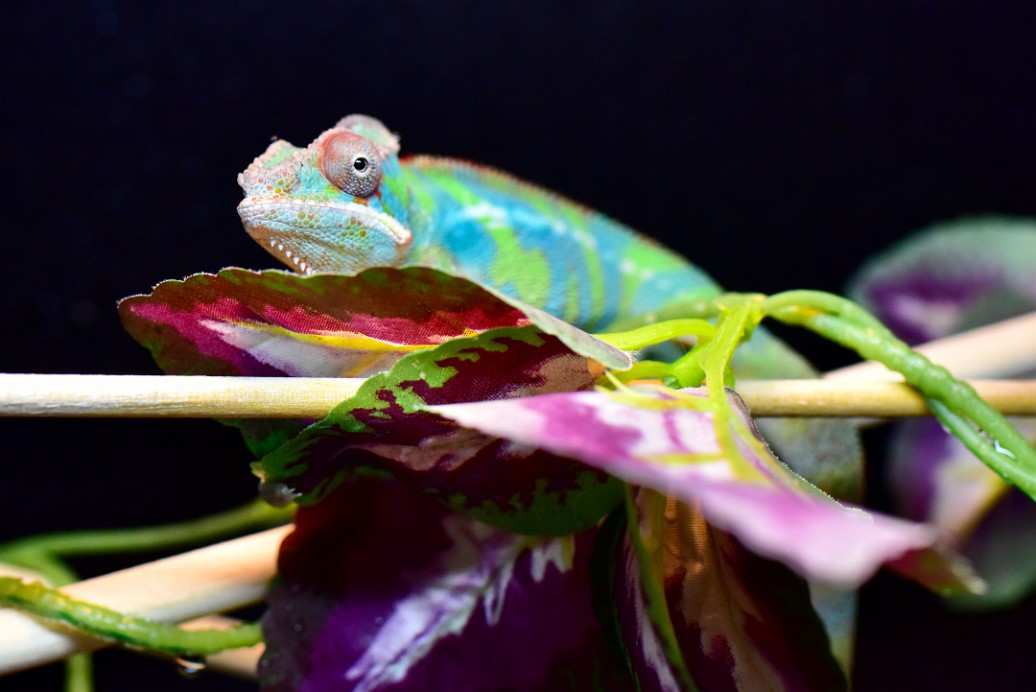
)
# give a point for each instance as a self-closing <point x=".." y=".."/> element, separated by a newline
<point x="284" y="253"/>
<point x="311" y="236"/>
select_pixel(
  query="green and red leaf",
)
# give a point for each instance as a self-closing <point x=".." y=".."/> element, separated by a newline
<point x="385" y="429"/>
<point x="240" y="322"/>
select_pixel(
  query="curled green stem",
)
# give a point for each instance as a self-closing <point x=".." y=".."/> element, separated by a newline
<point x="43" y="554"/>
<point x="977" y="424"/>
<point x="141" y="633"/>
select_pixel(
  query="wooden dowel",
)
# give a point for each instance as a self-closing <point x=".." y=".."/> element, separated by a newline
<point x="848" y="398"/>
<point x="128" y="396"/>
<point x="219" y="577"/>
<point x="168" y="396"/>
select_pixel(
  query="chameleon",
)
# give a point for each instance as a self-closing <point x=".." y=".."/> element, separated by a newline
<point x="348" y="201"/>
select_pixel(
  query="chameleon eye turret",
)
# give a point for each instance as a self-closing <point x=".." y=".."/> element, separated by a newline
<point x="351" y="163"/>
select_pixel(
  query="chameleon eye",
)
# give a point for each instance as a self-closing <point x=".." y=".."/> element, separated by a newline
<point x="352" y="163"/>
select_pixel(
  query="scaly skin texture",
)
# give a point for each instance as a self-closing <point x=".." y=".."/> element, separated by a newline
<point x="348" y="202"/>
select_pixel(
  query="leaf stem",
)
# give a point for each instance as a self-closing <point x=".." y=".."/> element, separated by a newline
<point x="659" y="332"/>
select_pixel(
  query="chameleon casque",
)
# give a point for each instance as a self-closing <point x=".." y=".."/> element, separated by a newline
<point x="348" y="202"/>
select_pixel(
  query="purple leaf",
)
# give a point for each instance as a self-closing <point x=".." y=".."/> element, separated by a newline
<point x="638" y="599"/>
<point x="742" y="621"/>
<point x="381" y="588"/>
<point x="952" y="277"/>
<point x="934" y="478"/>
<point x="695" y="610"/>
<point x="664" y="440"/>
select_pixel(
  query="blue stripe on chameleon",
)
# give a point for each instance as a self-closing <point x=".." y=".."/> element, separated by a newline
<point x="462" y="230"/>
<point x="390" y="199"/>
<point x="466" y="240"/>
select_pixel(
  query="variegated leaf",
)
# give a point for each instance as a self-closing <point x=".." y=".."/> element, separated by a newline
<point x="276" y="323"/>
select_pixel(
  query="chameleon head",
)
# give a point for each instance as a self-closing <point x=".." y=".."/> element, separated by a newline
<point x="336" y="206"/>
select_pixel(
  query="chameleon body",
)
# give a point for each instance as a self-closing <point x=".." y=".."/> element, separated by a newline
<point x="528" y="242"/>
<point x="348" y="202"/>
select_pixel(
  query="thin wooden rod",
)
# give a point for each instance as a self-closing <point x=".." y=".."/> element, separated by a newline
<point x="169" y="396"/>
<point x="130" y="396"/>
<point x="216" y="578"/>
<point x="848" y="398"/>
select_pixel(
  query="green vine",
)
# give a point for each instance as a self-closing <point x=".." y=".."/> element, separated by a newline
<point x="979" y="426"/>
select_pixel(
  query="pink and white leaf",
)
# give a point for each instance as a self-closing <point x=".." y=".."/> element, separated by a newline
<point x="664" y="440"/>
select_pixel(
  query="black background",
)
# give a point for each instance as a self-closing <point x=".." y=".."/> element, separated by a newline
<point x="777" y="144"/>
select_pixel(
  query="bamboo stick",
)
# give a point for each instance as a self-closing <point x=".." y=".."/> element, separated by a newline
<point x="130" y="396"/>
<point x="168" y="396"/>
<point x="871" y="399"/>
